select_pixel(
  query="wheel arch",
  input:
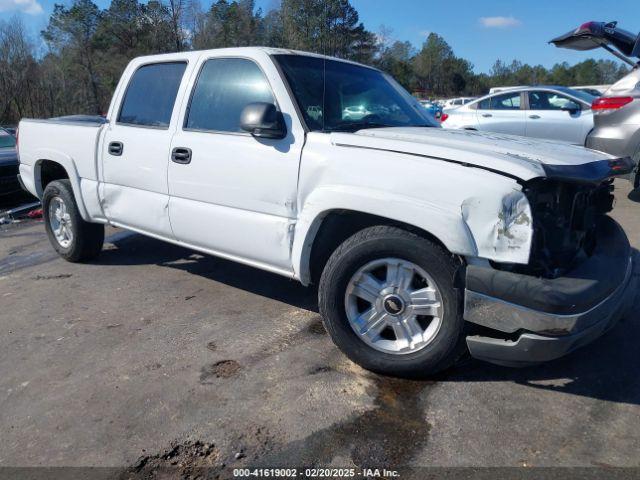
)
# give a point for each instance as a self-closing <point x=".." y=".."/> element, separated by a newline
<point x="320" y="230"/>
<point x="52" y="166"/>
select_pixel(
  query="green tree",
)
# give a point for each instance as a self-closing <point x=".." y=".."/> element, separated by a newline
<point x="561" y="74"/>
<point x="89" y="47"/>
<point x="157" y="24"/>
<point x="330" y="27"/>
<point x="396" y="60"/>
<point x="272" y="30"/>
<point x="229" y="24"/>
<point x="18" y="65"/>
<point x="438" y="71"/>
<point x="586" y="73"/>
<point x="71" y="33"/>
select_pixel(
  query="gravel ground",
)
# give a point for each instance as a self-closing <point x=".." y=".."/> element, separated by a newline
<point x="156" y="356"/>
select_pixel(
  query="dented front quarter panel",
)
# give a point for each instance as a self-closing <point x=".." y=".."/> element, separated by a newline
<point x="501" y="227"/>
<point x="469" y="210"/>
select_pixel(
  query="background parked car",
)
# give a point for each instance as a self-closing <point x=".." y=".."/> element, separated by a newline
<point x="617" y="113"/>
<point x="315" y="112"/>
<point x="553" y="113"/>
<point x="432" y="107"/>
<point x="355" y="112"/>
<point x="595" y="90"/>
<point x="456" y="102"/>
<point x="8" y="164"/>
<point x="502" y="89"/>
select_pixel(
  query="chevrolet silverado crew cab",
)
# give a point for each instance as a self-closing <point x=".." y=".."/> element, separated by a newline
<point x="425" y="243"/>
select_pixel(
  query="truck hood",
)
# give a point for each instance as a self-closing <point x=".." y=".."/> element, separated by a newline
<point x="8" y="157"/>
<point x="510" y="155"/>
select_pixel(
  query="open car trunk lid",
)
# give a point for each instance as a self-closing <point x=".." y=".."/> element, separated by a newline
<point x="591" y="35"/>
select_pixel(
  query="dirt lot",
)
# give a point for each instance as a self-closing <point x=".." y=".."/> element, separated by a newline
<point x="154" y="355"/>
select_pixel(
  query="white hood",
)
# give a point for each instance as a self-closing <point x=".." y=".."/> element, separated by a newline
<point x="515" y="156"/>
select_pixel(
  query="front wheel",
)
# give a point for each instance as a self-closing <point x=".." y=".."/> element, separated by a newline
<point x="388" y="300"/>
<point x="74" y="239"/>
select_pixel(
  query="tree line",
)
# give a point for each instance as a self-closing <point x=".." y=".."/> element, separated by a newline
<point x="87" y="48"/>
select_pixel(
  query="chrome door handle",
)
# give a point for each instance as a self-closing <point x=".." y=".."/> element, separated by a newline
<point x="116" y="148"/>
<point x="534" y="117"/>
<point x="181" y="155"/>
<point x="487" y="115"/>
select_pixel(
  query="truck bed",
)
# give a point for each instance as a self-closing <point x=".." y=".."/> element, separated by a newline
<point x="71" y="141"/>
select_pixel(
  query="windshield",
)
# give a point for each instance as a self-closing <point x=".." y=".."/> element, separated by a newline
<point x="339" y="96"/>
<point x="581" y="94"/>
<point x="6" y="139"/>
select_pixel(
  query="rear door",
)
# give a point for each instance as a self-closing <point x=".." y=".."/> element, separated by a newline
<point x="502" y="113"/>
<point x="235" y="195"/>
<point x="554" y="116"/>
<point x="135" y="149"/>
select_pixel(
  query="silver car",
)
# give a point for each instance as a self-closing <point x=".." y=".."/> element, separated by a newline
<point x="617" y="113"/>
<point x="548" y="112"/>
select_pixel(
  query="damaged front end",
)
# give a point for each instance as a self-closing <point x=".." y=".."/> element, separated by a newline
<point x="565" y="217"/>
<point x="577" y="281"/>
<point x="502" y="228"/>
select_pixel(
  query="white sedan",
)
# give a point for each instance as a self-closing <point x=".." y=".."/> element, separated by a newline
<point x="553" y="113"/>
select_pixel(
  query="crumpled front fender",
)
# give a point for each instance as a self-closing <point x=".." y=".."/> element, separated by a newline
<point x="501" y="227"/>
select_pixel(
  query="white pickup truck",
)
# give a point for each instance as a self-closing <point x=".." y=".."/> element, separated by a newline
<point x="425" y="243"/>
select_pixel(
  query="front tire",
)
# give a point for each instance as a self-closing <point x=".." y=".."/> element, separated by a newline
<point x="74" y="239"/>
<point x="388" y="300"/>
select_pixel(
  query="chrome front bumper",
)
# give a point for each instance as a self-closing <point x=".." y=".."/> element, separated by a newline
<point x="530" y="320"/>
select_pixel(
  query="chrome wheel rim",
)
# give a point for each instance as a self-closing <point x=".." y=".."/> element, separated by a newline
<point x="394" y="306"/>
<point x="60" y="222"/>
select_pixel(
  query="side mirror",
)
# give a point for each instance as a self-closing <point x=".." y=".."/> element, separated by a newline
<point x="572" y="109"/>
<point x="263" y="120"/>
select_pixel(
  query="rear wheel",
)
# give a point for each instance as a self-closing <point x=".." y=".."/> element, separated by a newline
<point x="74" y="239"/>
<point x="388" y="300"/>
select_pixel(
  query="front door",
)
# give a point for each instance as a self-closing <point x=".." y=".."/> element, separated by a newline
<point x="231" y="193"/>
<point x="135" y="150"/>
<point x="502" y="114"/>
<point x="556" y="117"/>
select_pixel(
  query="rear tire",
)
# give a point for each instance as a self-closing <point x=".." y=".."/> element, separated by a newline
<point x="404" y="341"/>
<point x="74" y="239"/>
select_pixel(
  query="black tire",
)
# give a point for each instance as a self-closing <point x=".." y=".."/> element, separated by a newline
<point x="88" y="238"/>
<point x="377" y="243"/>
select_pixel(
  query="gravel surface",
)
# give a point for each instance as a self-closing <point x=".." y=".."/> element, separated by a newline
<point x="154" y="354"/>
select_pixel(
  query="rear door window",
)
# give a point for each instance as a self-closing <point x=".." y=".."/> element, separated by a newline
<point x="508" y="101"/>
<point x="151" y="95"/>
